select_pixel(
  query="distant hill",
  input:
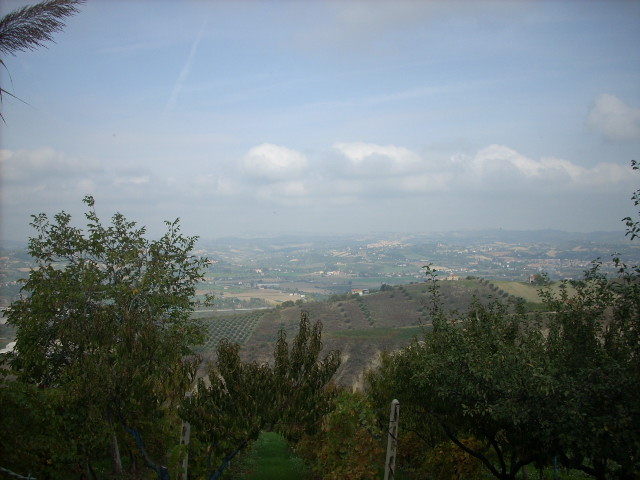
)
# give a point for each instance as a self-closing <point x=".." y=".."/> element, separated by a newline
<point x="363" y="326"/>
<point x="455" y="236"/>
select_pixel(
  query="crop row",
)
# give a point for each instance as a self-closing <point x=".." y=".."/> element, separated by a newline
<point x="237" y="328"/>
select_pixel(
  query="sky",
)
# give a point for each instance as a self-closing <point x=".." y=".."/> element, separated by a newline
<point x="327" y="117"/>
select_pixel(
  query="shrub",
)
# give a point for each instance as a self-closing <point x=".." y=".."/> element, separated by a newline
<point x="349" y="445"/>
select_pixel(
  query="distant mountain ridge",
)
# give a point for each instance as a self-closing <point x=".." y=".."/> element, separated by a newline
<point x="455" y="236"/>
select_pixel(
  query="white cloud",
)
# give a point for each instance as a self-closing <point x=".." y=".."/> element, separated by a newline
<point x="614" y="119"/>
<point x="501" y="167"/>
<point x="86" y="185"/>
<point x="274" y="163"/>
<point x="499" y="158"/>
<point x="44" y="164"/>
<point x="371" y="171"/>
<point x="47" y="178"/>
<point x="369" y="159"/>
<point x="357" y="175"/>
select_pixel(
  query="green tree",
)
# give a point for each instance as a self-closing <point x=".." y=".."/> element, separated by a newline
<point x="51" y="435"/>
<point x="300" y="376"/>
<point x="420" y="432"/>
<point x="349" y="443"/>
<point x="105" y="318"/>
<point x="594" y="344"/>
<point x="228" y="410"/>
<point x="633" y="225"/>
<point x="539" y="279"/>
<point x="480" y="375"/>
<point x="485" y="373"/>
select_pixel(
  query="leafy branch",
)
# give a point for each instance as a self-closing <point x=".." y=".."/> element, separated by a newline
<point x="29" y="27"/>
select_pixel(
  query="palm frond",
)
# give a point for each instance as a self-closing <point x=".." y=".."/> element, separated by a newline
<point x="29" y="27"/>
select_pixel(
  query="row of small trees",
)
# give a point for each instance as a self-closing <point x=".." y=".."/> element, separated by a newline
<point x="238" y="400"/>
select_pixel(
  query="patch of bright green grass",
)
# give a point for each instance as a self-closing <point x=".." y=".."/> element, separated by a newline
<point x="269" y="458"/>
<point x="527" y="291"/>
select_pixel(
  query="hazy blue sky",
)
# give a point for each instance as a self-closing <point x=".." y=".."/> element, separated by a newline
<point x="269" y="117"/>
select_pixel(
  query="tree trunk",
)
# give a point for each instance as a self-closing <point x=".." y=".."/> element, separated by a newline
<point x="133" y="467"/>
<point x="90" y="473"/>
<point x="116" y="461"/>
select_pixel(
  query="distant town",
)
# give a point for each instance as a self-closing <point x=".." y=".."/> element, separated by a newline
<point x="260" y="273"/>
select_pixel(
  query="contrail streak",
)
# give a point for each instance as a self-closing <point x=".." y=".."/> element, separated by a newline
<point x="184" y="73"/>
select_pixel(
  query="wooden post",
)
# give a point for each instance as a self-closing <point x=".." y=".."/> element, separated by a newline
<point x="392" y="442"/>
<point x="184" y="440"/>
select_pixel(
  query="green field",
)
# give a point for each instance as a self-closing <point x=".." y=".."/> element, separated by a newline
<point x="526" y="291"/>
<point x="269" y="458"/>
<point x="518" y="289"/>
<point x="378" y="333"/>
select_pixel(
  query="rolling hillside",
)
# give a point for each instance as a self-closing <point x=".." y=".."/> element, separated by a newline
<point x="359" y="326"/>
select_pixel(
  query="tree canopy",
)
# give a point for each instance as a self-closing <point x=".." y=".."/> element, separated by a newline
<point x="237" y="400"/>
<point x="105" y="316"/>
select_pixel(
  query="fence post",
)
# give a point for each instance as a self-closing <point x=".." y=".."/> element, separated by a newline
<point x="184" y="440"/>
<point x="392" y="442"/>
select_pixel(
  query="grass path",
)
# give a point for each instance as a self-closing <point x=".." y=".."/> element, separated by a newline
<point x="269" y="458"/>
